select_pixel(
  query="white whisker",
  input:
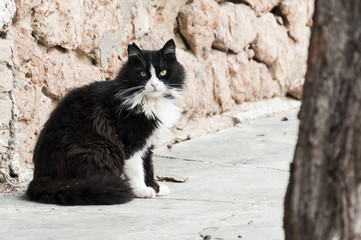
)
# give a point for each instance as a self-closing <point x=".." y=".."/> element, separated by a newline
<point x="120" y="94"/>
<point x="127" y="103"/>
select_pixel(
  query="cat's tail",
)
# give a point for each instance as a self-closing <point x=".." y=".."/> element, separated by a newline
<point x="97" y="190"/>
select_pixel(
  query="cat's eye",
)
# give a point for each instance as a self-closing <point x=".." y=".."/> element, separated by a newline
<point x="163" y="73"/>
<point x="143" y="74"/>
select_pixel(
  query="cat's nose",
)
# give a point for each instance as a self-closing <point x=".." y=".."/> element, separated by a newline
<point x="154" y="85"/>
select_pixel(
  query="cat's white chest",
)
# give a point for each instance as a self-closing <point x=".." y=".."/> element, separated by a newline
<point x="166" y="112"/>
<point x="163" y="109"/>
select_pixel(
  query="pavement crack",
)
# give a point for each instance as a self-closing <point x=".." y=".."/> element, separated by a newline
<point x="273" y="204"/>
<point x="269" y="168"/>
<point x="231" y="216"/>
<point x="177" y="158"/>
<point x="220" y="164"/>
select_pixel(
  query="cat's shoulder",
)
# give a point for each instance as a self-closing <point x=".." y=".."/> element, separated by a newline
<point x="88" y="92"/>
<point x="84" y="97"/>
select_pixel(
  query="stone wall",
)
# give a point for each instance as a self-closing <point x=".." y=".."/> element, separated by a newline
<point x="233" y="51"/>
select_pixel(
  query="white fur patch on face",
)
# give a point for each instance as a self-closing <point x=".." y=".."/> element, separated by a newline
<point x="154" y="87"/>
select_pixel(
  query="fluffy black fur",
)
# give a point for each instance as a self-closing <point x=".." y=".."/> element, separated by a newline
<point x="81" y="151"/>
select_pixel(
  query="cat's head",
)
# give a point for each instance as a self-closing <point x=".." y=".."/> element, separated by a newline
<point x="152" y="74"/>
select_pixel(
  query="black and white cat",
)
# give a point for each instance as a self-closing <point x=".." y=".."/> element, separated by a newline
<point x="96" y="147"/>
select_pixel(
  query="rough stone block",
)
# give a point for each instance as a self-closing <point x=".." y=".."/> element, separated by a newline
<point x="6" y="78"/>
<point x="262" y="6"/>
<point x="58" y="22"/>
<point x="5" y="50"/>
<point x="296" y="13"/>
<point x="235" y="29"/>
<point x="4" y="140"/>
<point x="271" y="39"/>
<point x="25" y="101"/>
<point x="220" y="78"/>
<point x="7" y="11"/>
<point x="6" y="106"/>
<point x="163" y="15"/>
<point x="141" y="19"/>
<point x="27" y="56"/>
<point x="23" y="7"/>
<point x="62" y="73"/>
<point x="98" y="17"/>
<point x="296" y="89"/>
<point x="250" y="80"/>
<point x="199" y="86"/>
<point x="28" y="132"/>
<point x="197" y="22"/>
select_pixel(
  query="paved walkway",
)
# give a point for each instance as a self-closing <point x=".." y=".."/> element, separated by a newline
<point x="236" y="184"/>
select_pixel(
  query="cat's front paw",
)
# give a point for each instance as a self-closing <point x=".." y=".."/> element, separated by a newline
<point x="146" y="192"/>
<point x="163" y="190"/>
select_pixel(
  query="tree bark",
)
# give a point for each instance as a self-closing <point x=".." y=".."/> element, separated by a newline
<point x="323" y="199"/>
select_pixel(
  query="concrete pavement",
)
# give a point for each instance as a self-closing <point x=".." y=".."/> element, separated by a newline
<point x="237" y="179"/>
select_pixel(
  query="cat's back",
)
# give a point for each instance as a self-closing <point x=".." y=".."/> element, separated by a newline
<point x="74" y="117"/>
<point x="77" y="105"/>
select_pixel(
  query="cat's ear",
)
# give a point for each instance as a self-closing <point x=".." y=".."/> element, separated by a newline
<point x="169" y="49"/>
<point x="133" y="51"/>
<point x="135" y="55"/>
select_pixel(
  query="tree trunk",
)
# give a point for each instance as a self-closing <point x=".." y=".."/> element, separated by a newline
<point x="323" y="199"/>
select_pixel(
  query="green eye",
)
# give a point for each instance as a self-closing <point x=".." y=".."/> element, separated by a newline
<point x="143" y="74"/>
<point x="163" y="73"/>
